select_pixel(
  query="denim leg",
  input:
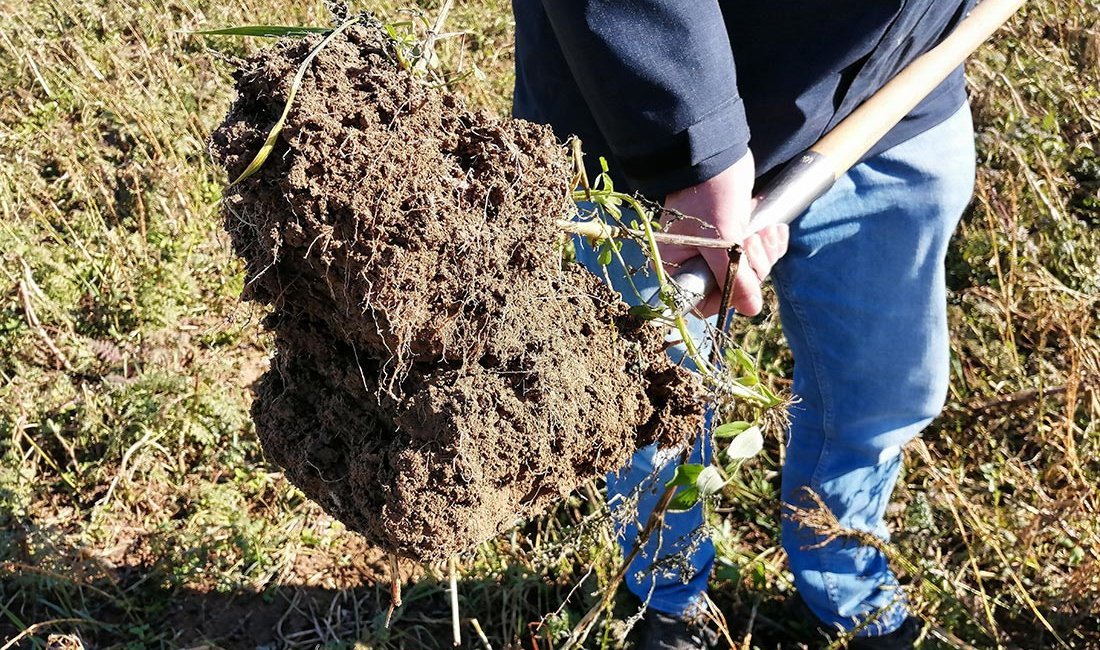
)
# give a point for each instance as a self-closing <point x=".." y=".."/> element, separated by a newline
<point x="671" y="571"/>
<point x="862" y="301"/>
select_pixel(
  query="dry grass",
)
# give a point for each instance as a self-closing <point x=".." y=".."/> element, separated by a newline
<point x="135" y="507"/>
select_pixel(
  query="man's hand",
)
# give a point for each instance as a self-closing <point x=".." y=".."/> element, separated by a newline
<point x="725" y="202"/>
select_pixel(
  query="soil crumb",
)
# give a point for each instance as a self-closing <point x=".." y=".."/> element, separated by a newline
<point x="438" y="374"/>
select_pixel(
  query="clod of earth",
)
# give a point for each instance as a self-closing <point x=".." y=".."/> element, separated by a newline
<point x="438" y="373"/>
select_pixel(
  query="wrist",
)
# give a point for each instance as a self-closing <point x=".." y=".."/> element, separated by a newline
<point x="722" y="201"/>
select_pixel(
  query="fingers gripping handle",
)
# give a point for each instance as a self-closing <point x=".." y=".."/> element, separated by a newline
<point x="787" y="196"/>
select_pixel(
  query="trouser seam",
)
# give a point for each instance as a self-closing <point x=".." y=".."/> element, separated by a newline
<point x="828" y="430"/>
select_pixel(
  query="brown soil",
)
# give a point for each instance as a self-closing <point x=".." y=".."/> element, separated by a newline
<point x="438" y="374"/>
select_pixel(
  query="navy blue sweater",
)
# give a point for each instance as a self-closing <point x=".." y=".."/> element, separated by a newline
<point x="674" y="91"/>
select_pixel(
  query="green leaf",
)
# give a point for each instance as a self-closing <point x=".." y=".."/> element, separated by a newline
<point x="730" y="429"/>
<point x="740" y="359"/>
<point x="747" y="444"/>
<point x="604" y="258"/>
<point x="759" y="575"/>
<point x="685" y="499"/>
<point x="729" y="574"/>
<point x="273" y="136"/>
<point x="685" y="475"/>
<point x="645" y="312"/>
<point x="694" y="482"/>
<point x="770" y="396"/>
<point x="268" y="31"/>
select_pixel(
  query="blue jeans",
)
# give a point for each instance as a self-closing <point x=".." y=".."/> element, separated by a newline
<point x="863" y="307"/>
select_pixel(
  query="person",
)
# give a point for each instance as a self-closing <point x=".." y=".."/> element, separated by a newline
<point x="694" y="103"/>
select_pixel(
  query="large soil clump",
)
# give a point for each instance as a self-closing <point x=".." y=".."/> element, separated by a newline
<point x="438" y="374"/>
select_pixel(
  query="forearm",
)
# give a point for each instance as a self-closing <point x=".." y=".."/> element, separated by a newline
<point x="659" y="78"/>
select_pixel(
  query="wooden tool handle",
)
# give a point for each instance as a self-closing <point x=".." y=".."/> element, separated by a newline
<point x="812" y="173"/>
<point x="854" y="137"/>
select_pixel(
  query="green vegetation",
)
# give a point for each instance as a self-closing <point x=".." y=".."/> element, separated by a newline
<point x="136" y="508"/>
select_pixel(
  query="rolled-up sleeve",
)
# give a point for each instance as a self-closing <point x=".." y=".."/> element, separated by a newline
<point x="659" y="78"/>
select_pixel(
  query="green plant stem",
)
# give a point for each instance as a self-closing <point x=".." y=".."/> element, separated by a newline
<point x="607" y="199"/>
<point x="666" y="288"/>
<point x="273" y="135"/>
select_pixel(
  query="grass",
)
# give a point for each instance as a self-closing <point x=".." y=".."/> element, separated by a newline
<point x="136" y="508"/>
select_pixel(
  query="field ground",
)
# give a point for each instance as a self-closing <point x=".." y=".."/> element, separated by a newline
<point x="136" y="508"/>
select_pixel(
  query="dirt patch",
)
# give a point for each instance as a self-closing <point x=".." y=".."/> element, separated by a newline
<point x="438" y="373"/>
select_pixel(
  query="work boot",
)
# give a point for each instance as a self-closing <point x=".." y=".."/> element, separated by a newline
<point x="903" y="638"/>
<point x="660" y="631"/>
